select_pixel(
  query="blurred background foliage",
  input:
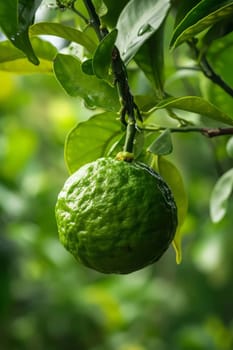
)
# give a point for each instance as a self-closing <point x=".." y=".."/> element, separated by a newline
<point x="49" y="301"/>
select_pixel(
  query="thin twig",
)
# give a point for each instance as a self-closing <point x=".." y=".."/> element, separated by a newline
<point x="207" y="69"/>
<point x="94" y="19"/>
<point x="209" y="132"/>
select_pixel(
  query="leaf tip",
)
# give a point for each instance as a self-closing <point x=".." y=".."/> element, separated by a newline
<point x="178" y="251"/>
<point x="34" y="60"/>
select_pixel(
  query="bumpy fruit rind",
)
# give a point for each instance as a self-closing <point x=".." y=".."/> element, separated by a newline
<point x="115" y="216"/>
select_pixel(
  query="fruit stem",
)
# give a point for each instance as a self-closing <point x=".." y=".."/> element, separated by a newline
<point x="127" y="101"/>
<point x="121" y="80"/>
<point x="129" y="139"/>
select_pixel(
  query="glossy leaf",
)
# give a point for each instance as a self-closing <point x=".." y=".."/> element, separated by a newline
<point x="103" y="55"/>
<point x="199" y="18"/>
<point x="15" y="18"/>
<point x="174" y="180"/>
<point x="114" y="9"/>
<point x="198" y="105"/>
<point x="91" y="139"/>
<point x="151" y="61"/>
<point x="65" y="32"/>
<point x="23" y="43"/>
<point x="162" y="145"/>
<point x="220" y="195"/>
<point x="87" y="67"/>
<point x="26" y="13"/>
<point x="137" y="22"/>
<point x="95" y="92"/>
<point x="182" y="8"/>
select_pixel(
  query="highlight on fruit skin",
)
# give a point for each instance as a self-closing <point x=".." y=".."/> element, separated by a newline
<point x="116" y="216"/>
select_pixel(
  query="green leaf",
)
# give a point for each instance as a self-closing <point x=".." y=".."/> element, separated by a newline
<point x="217" y="31"/>
<point x="114" y="9"/>
<point x="26" y="12"/>
<point x="44" y="49"/>
<point x="139" y="143"/>
<point x="146" y="102"/>
<point x="13" y="59"/>
<point x="100" y="7"/>
<point x="162" y="145"/>
<point x="229" y="147"/>
<point x="103" y="55"/>
<point x="65" y="32"/>
<point x="9" y="16"/>
<point x="15" y="18"/>
<point x="182" y="8"/>
<point x="196" y="105"/>
<point x="8" y="52"/>
<point x="137" y="22"/>
<point x="87" y="67"/>
<point x="94" y="91"/>
<point x="150" y="60"/>
<point x="174" y="180"/>
<point x="91" y="139"/>
<point x="199" y="18"/>
<point x="220" y="195"/>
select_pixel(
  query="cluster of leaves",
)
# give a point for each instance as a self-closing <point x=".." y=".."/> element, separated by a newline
<point x="83" y="68"/>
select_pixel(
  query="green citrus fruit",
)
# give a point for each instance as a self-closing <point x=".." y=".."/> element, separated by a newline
<point x="115" y="216"/>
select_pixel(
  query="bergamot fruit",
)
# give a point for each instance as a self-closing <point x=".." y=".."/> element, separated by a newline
<point x="115" y="216"/>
